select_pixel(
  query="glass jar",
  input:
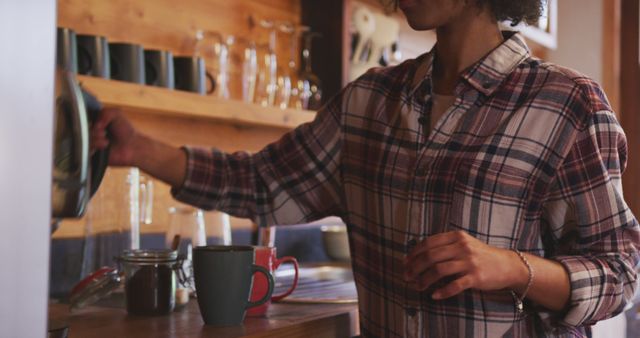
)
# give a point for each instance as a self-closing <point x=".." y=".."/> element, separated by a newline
<point x="150" y="281"/>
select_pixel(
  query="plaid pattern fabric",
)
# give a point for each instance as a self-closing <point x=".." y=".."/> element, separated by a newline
<point x="529" y="157"/>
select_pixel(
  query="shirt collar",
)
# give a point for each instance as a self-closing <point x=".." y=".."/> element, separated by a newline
<point x="486" y="74"/>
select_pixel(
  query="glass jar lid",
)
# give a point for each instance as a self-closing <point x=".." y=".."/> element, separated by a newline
<point x="94" y="287"/>
<point x="150" y="256"/>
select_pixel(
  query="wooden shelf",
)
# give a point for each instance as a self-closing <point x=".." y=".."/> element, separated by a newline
<point x="155" y="100"/>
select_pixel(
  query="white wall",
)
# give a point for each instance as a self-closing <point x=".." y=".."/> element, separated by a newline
<point x="27" y="40"/>
<point x="580" y="37"/>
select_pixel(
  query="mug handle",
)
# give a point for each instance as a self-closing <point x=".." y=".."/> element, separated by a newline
<point x="276" y="264"/>
<point x="85" y="55"/>
<point x="267" y="296"/>
<point x="212" y="83"/>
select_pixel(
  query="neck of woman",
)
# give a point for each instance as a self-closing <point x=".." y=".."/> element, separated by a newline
<point x="461" y="43"/>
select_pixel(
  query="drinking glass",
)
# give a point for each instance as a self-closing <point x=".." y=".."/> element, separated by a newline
<point x="186" y="230"/>
<point x="218" y="226"/>
<point x="114" y="217"/>
<point x="242" y="69"/>
<point x="267" y="67"/>
<point x="249" y="72"/>
<point x="285" y="73"/>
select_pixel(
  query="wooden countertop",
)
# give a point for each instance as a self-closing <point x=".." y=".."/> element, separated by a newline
<point x="281" y="320"/>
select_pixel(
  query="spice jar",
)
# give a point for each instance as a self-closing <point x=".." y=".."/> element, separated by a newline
<point x="150" y="281"/>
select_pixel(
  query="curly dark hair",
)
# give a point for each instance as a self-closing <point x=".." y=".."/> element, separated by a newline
<point x="516" y="11"/>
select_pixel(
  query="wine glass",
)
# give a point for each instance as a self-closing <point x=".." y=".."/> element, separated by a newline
<point x="309" y="84"/>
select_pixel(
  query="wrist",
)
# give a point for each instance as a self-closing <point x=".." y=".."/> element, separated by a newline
<point x="519" y="273"/>
<point x="141" y="150"/>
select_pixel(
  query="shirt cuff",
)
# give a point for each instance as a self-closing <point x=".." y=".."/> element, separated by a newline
<point x="587" y="284"/>
<point x="200" y="178"/>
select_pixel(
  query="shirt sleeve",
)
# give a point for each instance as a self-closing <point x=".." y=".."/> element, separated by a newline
<point x="595" y="235"/>
<point x="293" y="180"/>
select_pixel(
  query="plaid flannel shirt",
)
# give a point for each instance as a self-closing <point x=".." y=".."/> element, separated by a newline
<point x="529" y="156"/>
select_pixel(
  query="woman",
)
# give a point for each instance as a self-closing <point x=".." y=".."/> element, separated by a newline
<point x="480" y="185"/>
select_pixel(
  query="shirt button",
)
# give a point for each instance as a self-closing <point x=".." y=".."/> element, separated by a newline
<point x="423" y="120"/>
<point x="411" y="244"/>
<point x="411" y="311"/>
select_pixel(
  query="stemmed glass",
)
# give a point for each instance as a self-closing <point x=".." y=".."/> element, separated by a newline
<point x="309" y="84"/>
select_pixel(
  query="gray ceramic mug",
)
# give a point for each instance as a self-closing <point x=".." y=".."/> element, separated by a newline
<point x="223" y="277"/>
<point x="127" y="62"/>
<point x="159" y="68"/>
<point x="93" y="56"/>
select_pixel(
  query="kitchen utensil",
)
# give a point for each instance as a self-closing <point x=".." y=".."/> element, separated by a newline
<point x="191" y="75"/>
<point x="223" y="276"/>
<point x="93" y="56"/>
<point x="266" y="257"/>
<point x="76" y="175"/>
<point x="66" y="51"/>
<point x="364" y="24"/>
<point x="127" y="62"/>
<point x="376" y="32"/>
<point x="159" y="68"/>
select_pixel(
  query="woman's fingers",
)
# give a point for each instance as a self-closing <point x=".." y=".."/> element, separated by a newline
<point x="441" y="270"/>
<point x="455" y="287"/>
<point x="436" y="241"/>
<point x="417" y="265"/>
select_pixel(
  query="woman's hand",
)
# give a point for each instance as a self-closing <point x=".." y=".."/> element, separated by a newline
<point x="467" y="262"/>
<point x="130" y="148"/>
<point x="113" y="129"/>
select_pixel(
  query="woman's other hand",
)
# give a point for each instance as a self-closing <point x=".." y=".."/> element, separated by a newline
<point x="466" y="262"/>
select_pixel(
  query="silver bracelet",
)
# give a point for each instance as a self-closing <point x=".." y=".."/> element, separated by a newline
<point x="519" y="300"/>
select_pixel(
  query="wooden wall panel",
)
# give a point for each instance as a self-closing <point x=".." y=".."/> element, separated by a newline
<point x="169" y="24"/>
<point x="630" y="97"/>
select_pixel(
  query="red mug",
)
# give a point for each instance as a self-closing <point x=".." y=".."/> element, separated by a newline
<point x="266" y="257"/>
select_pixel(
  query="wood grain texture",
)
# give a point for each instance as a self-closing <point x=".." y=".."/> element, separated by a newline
<point x="155" y="100"/>
<point x="630" y="98"/>
<point x="611" y="52"/>
<point x="169" y="24"/>
<point x="282" y="321"/>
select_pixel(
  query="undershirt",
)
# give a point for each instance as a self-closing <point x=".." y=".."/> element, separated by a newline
<point x="440" y="104"/>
